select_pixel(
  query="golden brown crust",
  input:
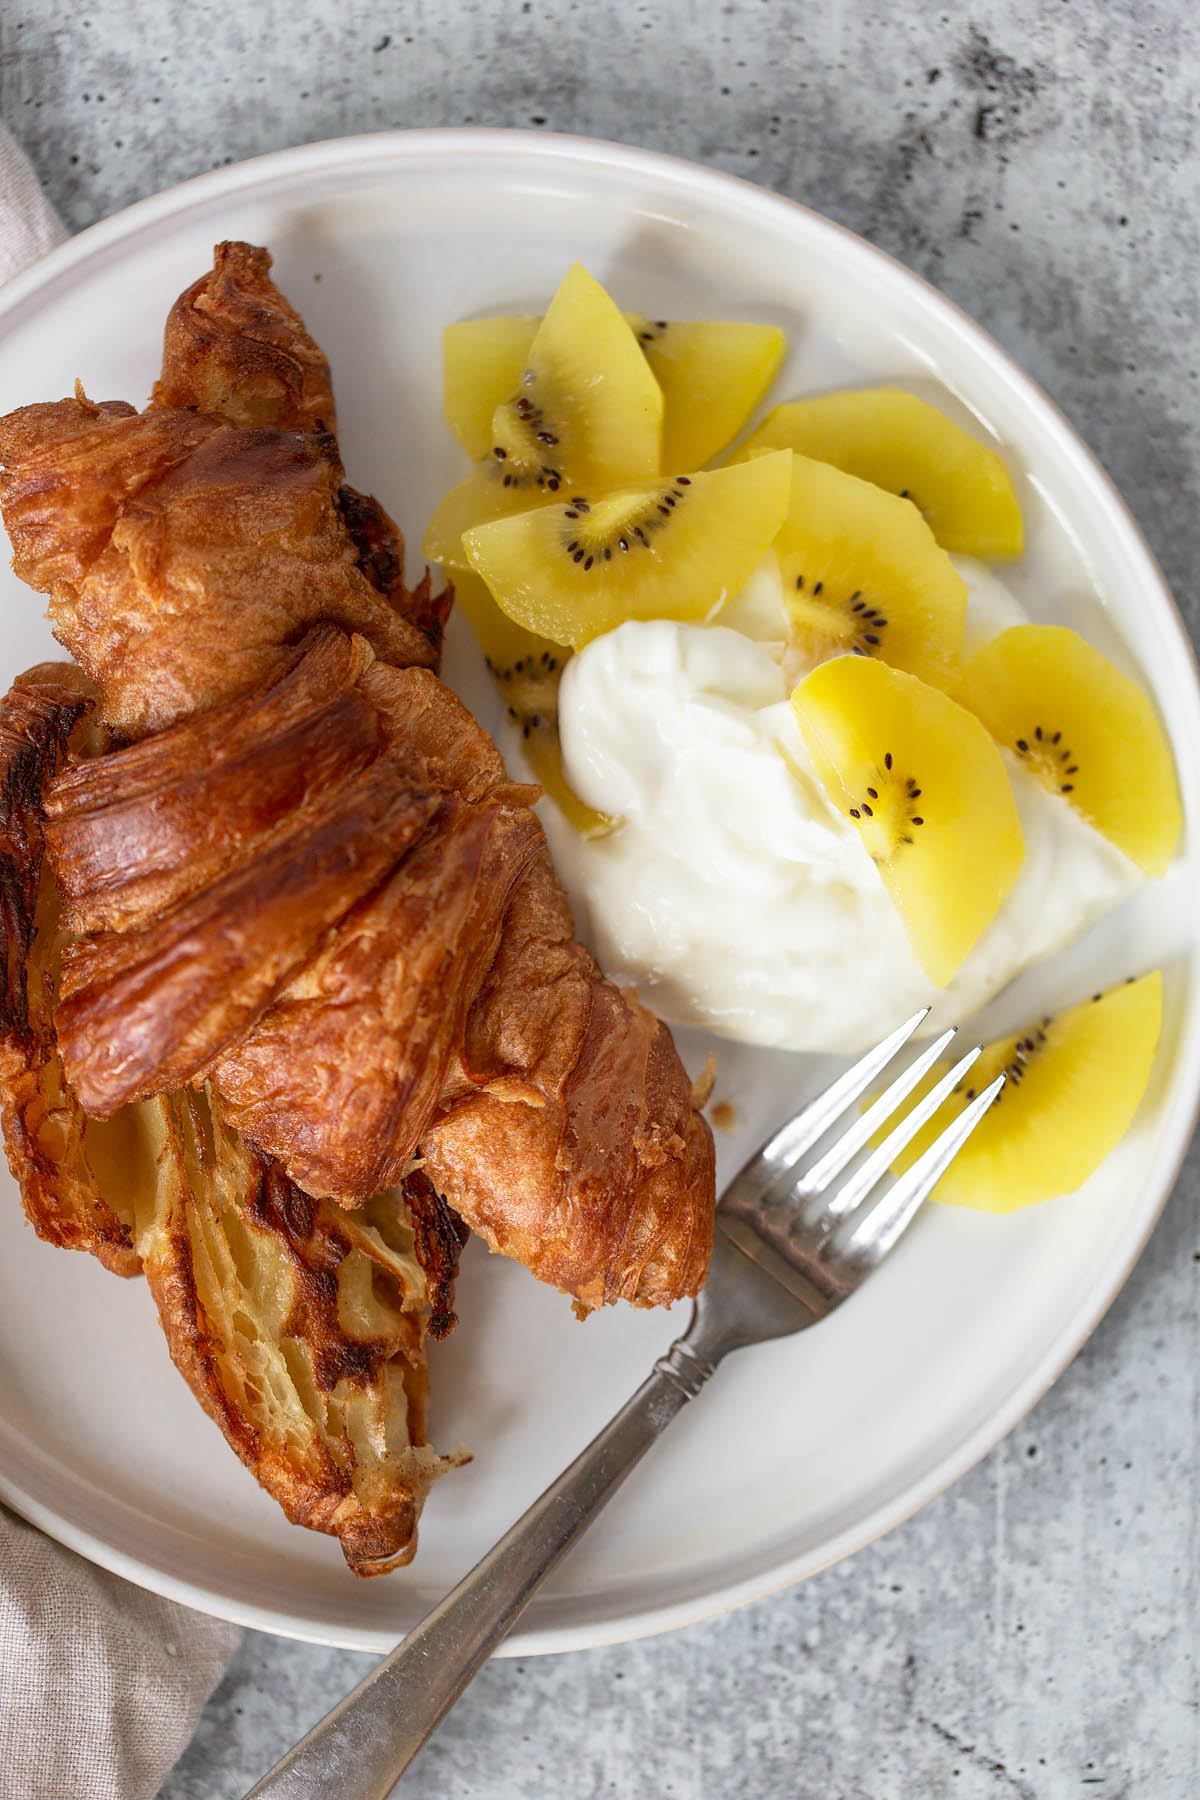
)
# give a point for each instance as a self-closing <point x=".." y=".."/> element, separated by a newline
<point x="234" y="348"/>
<point x="146" y="1009"/>
<point x="134" y="832"/>
<point x="572" y="1144"/>
<point x="339" y="1078"/>
<point x="53" y="1151"/>
<point x="182" y="546"/>
<point x="420" y="711"/>
<point x="179" y="553"/>
<point x="68" y="470"/>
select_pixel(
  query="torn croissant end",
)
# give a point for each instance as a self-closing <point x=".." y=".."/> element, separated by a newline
<point x="299" y="1327"/>
<point x="604" y="1184"/>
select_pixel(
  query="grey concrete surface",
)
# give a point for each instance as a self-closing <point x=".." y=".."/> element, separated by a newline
<point x="1033" y="1633"/>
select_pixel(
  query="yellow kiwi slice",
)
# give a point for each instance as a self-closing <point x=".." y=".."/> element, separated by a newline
<point x="585" y="413"/>
<point x="527" y="670"/>
<point x="1087" y="731"/>
<point x="670" y="549"/>
<point x="1074" y="1083"/>
<point x="927" y="789"/>
<point x="586" y="409"/>
<point x="712" y="374"/>
<point x="483" y="361"/>
<point x="477" y="499"/>
<point x="862" y="572"/>
<point x="903" y="444"/>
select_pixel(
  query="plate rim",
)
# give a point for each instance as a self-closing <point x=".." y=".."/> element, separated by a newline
<point x="382" y="149"/>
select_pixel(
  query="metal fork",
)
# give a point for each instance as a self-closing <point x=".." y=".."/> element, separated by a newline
<point x="790" y="1246"/>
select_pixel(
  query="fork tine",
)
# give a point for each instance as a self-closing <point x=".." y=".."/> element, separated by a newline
<point x="847" y="1147"/>
<point x="871" y="1237"/>
<point x="851" y="1194"/>
<point x="800" y="1134"/>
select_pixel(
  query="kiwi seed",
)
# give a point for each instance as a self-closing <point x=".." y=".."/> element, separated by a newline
<point x="1024" y="1051"/>
<point x="869" y="621"/>
<point x="1045" y="751"/>
<point x="908" y="795"/>
<point x="529" y="469"/>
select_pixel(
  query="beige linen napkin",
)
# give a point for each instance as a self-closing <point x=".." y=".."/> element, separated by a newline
<point x="101" y="1684"/>
<point x="29" y="225"/>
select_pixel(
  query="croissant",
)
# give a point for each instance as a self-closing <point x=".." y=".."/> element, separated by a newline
<point x="299" y="1327"/>
<point x="419" y="1002"/>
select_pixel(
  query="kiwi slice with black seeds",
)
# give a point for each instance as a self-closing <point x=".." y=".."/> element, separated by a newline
<point x="712" y="374"/>
<point x="587" y="411"/>
<point x="1073" y="1084"/>
<point x="926" y="789"/>
<point x="1086" y="731"/>
<point x="863" y="573"/>
<point x="670" y="549"/>
<point x="585" y="415"/>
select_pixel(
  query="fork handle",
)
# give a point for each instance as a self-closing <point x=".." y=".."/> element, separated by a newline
<point x="360" y="1749"/>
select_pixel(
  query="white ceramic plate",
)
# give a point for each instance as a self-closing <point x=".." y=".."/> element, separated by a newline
<point x="802" y="1450"/>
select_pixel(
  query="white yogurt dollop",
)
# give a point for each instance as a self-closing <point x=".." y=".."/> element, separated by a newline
<point x="734" y="895"/>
